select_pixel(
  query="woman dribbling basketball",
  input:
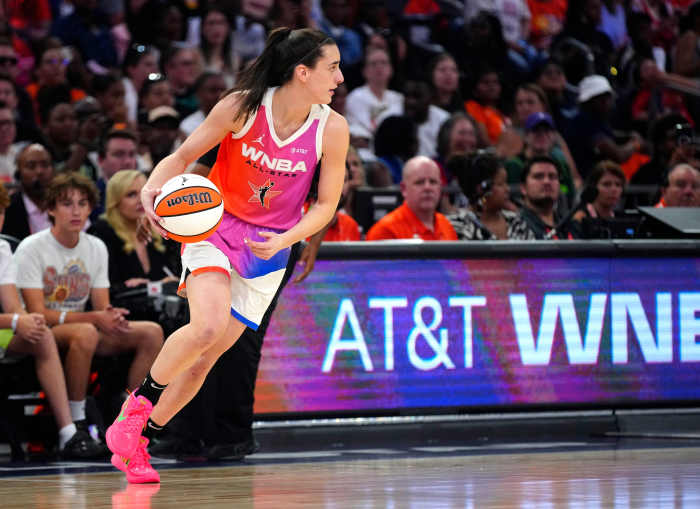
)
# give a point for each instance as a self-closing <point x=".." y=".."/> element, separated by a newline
<point x="274" y="128"/>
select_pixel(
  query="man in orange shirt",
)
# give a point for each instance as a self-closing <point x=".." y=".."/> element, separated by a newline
<point x="342" y="228"/>
<point x="682" y="188"/>
<point x="417" y="217"/>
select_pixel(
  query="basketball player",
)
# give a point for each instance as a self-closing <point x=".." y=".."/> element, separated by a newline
<point x="274" y="127"/>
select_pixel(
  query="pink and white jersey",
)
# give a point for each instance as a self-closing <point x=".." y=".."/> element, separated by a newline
<point x="265" y="180"/>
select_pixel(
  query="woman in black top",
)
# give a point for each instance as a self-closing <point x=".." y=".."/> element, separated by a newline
<point x="483" y="180"/>
<point x="132" y="263"/>
<point x="596" y="218"/>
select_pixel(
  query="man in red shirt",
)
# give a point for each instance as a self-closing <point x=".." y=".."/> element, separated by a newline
<point x="417" y="217"/>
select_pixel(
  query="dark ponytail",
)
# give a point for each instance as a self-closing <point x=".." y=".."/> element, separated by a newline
<point x="284" y="50"/>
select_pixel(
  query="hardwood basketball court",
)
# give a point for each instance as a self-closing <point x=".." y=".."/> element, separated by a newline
<point x="572" y="474"/>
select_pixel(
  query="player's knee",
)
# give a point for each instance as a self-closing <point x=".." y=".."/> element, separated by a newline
<point x="207" y="334"/>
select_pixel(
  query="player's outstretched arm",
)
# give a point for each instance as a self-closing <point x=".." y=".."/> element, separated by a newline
<point x="216" y="125"/>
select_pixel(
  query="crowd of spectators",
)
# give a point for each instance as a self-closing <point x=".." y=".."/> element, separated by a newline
<point x="576" y="82"/>
<point x="494" y="120"/>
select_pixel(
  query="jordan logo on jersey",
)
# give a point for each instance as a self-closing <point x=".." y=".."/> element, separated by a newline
<point x="263" y="194"/>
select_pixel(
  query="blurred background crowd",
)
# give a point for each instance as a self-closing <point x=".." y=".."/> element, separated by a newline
<point x="506" y="109"/>
<point x="469" y="120"/>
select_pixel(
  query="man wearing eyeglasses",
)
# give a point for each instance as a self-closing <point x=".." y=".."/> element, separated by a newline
<point x="51" y="71"/>
<point x="8" y="58"/>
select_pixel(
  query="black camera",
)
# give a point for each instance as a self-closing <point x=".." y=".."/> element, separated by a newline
<point x="684" y="134"/>
<point x="685" y="137"/>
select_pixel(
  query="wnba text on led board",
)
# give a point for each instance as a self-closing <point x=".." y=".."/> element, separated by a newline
<point x="582" y="341"/>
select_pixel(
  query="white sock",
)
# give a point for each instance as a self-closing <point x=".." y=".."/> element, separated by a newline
<point x="77" y="410"/>
<point x="65" y="434"/>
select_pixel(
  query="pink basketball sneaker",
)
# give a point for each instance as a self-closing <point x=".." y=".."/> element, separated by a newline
<point x="124" y="433"/>
<point x="138" y="469"/>
<point x="119" y="462"/>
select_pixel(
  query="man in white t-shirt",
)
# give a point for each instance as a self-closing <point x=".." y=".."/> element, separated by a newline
<point x="368" y="105"/>
<point x="58" y="270"/>
<point x="22" y="333"/>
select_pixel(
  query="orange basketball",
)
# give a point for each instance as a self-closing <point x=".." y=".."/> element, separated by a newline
<point x="191" y="207"/>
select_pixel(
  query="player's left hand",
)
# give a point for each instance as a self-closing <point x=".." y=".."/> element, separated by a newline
<point x="267" y="248"/>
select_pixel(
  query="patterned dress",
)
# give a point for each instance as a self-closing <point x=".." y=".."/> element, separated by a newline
<point x="468" y="226"/>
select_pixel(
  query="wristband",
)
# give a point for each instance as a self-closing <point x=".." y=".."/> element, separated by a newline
<point x="15" y="319"/>
<point x="62" y="317"/>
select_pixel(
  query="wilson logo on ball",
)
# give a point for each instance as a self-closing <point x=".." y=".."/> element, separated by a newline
<point x="188" y="200"/>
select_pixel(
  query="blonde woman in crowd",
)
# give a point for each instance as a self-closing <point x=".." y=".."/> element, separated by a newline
<point x="132" y="263"/>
